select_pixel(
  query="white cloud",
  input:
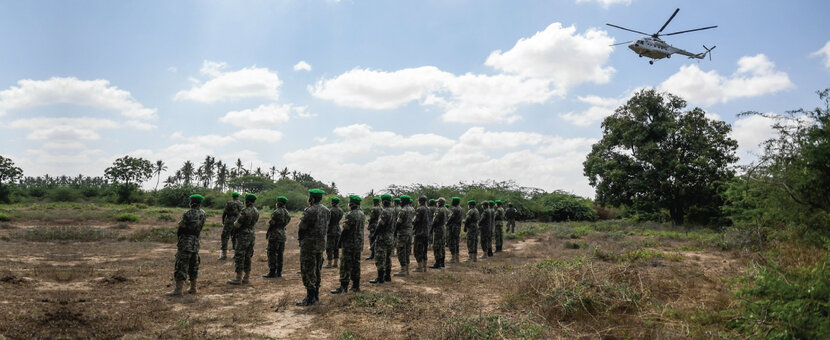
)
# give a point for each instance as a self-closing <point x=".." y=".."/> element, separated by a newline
<point x="263" y="135"/>
<point x="823" y="52"/>
<point x="750" y="132"/>
<point x="755" y="76"/>
<point x="268" y="115"/>
<point x="607" y="3"/>
<point x="379" y="90"/>
<point x="600" y="107"/>
<point x="82" y="122"/>
<point x="249" y="82"/>
<point x="63" y="133"/>
<point x="92" y="93"/>
<point x="302" y="66"/>
<point x="139" y="125"/>
<point x="212" y="140"/>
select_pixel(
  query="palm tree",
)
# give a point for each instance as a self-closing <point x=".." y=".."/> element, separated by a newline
<point x="207" y="170"/>
<point x="284" y="172"/>
<point x="273" y="173"/>
<point x="187" y="172"/>
<point x="240" y="169"/>
<point x="160" y="166"/>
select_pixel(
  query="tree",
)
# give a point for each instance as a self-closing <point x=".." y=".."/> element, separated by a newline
<point x="653" y="155"/>
<point x="8" y="173"/>
<point x="129" y="171"/>
<point x="160" y="166"/>
<point x="284" y="173"/>
<point x="187" y="172"/>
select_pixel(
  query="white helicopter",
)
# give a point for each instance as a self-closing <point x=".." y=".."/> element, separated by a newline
<point x="655" y="48"/>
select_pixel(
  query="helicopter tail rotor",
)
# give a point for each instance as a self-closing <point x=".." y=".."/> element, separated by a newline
<point x="708" y="51"/>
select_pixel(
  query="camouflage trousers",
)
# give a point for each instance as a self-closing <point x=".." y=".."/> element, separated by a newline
<point x="498" y="235"/>
<point x="438" y="250"/>
<point x="275" y="251"/>
<point x="228" y="233"/>
<point x="310" y="264"/>
<point x="511" y="226"/>
<point x="244" y="251"/>
<point x="472" y="241"/>
<point x="350" y="266"/>
<point x="383" y="255"/>
<point x="420" y="247"/>
<point x="486" y="240"/>
<point x="372" y="238"/>
<point x="331" y="246"/>
<point x="454" y="238"/>
<point x="404" y="248"/>
<point x="187" y="264"/>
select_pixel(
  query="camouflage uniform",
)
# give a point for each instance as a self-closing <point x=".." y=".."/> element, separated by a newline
<point x="430" y="215"/>
<point x="438" y="230"/>
<point x="312" y="236"/>
<point x="454" y="229"/>
<point x="333" y="233"/>
<point x="187" y="247"/>
<point x="384" y="242"/>
<point x="421" y="226"/>
<point x="245" y="238"/>
<point x="276" y="239"/>
<point x="403" y="227"/>
<point x="484" y="231"/>
<point x="471" y="227"/>
<point x="498" y="233"/>
<point x="511" y="213"/>
<point x="229" y="216"/>
<point x="374" y="218"/>
<point x="351" y="240"/>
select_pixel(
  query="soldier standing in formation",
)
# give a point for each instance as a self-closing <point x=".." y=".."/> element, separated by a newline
<point x="511" y="215"/>
<point x="471" y="228"/>
<point x="333" y="234"/>
<point x="374" y="217"/>
<point x="229" y="216"/>
<point x="403" y="227"/>
<point x="484" y="229"/>
<point x="245" y="239"/>
<point x="454" y="229"/>
<point x="437" y="232"/>
<point x="421" y="226"/>
<point x="187" y="247"/>
<point x="311" y="233"/>
<point x="498" y="233"/>
<point x="384" y="241"/>
<point x="431" y="205"/>
<point x="276" y="238"/>
<point x="397" y="203"/>
<point x="351" y="240"/>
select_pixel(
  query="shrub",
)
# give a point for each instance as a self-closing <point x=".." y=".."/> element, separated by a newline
<point x="491" y="327"/>
<point x="127" y="217"/>
<point x="63" y="194"/>
<point x="4" y="217"/>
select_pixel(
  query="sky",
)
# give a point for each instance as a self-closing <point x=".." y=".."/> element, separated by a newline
<point x="371" y="93"/>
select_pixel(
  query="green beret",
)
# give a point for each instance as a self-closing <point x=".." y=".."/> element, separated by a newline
<point x="446" y="205"/>
<point x="376" y="199"/>
<point x="282" y="199"/>
<point x="473" y="202"/>
<point x="316" y="192"/>
<point x="456" y="199"/>
<point x="355" y="199"/>
<point x="386" y="197"/>
<point x="431" y="200"/>
<point x="491" y="202"/>
<point x="406" y="198"/>
<point x="335" y="199"/>
<point x="196" y="198"/>
<point x="235" y="193"/>
<point x="498" y="201"/>
<point x="251" y="197"/>
<point x="396" y="199"/>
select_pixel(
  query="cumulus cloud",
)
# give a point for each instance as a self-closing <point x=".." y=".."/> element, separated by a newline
<point x="755" y="76"/>
<point x="302" y="66"/>
<point x="269" y="115"/>
<point x="823" y="52"/>
<point x="97" y="94"/>
<point x="249" y="82"/>
<point x="65" y="130"/>
<point x="535" y="69"/>
<point x="607" y="3"/>
<point x="262" y="135"/>
<point x="600" y="107"/>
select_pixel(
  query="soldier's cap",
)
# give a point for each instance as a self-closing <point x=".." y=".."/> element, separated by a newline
<point x="498" y="201"/>
<point x="485" y="203"/>
<point x="456" y="199"/>
<point x="386" y="197"/>
<point x="282" y="199"/>
<point x="196" y="198"/>
<point x="406" y="199"/>
<point x="396" y="199"/>
<point x="316" y="192"/>
<point x="509" y="204"/>
<point x="422" y="198"/>
<point x="235" y="193"/>
<point x="491" y="202"/>
<point x="377" y="199"/>
<point x="335" y="199"/>
<point x="355" y="199"/>
<point x="440" y="200"/>
<point x="432" y="200"/>
<point x="471" y="202"/>
<point x="446" y="205"/>
<point x="250" y="197"/>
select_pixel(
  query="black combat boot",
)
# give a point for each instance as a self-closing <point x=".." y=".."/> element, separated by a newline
<point x="308" y="298"/>
<point x="271" y="274"/>
<point x="379" y="279"/>
<point x="436" y="265"/>
<point x="344" y="287"/>
<point x="355" y="285"/>
<point x="316" y="296"/>
<point x="388" y="275"/>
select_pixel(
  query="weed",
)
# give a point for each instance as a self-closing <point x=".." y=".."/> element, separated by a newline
<point x="575" y="245"/>
<point x="348" y="335"/>
<point x="165" y="218"/>
<point x="650" y="244"/>
<point x="127" y="217"/>
<point x="162" y="235"/>
<point x="4" y="217"/>
<point x="63" y="233"/>
<point x="491" y="327"/>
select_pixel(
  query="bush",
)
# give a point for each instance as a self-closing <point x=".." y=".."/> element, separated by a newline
<point x="4" y="217"/>
<point x="127" y="217"/>
<point x="565" y="207"/>
<point x="63" y="194"/>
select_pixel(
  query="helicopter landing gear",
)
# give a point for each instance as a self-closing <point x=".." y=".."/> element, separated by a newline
<point x="651" y="62"/>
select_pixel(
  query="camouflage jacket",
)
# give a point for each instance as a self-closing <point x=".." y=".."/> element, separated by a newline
<point x="421" y="223"/>
<point x="334" y="223"/>
<point x="352" y="236"/>
<point x="439" y="220"/>
<point x="484" y="219"/>
<point x="247" y="220"/>
<point x="492" y="213"/>
<point x="455" y="217"/>
<point x="431" y="215"/>
<point x="374" y="216"/>
<point x="511" y="213"/>
<point x="471" y="222"/>
<point x="499" y="215"/>
<point x="312" y="228"/>
<point x="276" y="226"/>
<point x="232" y="209"/>
<point x="190" y="228"/>
<point x="385" y="228"/>
<point x="406" y="215"/>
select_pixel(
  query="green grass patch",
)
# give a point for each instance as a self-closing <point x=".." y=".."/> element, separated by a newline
<point x="492" y="327"/>
<point x="161" y="235"/>
<point x="348" y="335"/>
<point x="650" y="244"/>
<point x="127" y="217"/>
<point x="4" y="217"/>
<point x="649" y="254"/>
<point x="165" y="218"/>
<point x="575" y="245"/>
<point x="63" y="233"/>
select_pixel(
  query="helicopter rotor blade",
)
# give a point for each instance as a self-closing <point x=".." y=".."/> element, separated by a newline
<point x="627" y="29"/>
<point x="667" y="21"/>
<point x="687" y="31"/>
<point x="621" y="43"/>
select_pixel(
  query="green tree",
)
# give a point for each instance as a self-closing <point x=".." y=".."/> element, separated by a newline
<point x="129" y="172"/>
<point x="8" y="173"/>
<point x="653" y="155"/>
<point x="159" y="167"/>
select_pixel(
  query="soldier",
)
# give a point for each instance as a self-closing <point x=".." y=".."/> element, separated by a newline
<point x="403" y="226"/>
<point x="351" y="240"/>
<point x="454" y="229"/>
<point x="384" y="241"/>
<point x="421" y="226"/>
<point x="484" y="229"/>
<point x="276" y="238"/>
<point x="311" y="232"/>
<point x="471" y="228"/>
<point x="333" y="234"/>
<point x="245" y="238"/>
<point x="511" y="215"/>
<point x="437" y="231"/>
<point x="432" y="208"/>
<point x="374" y="217"/>
<point x="397" y="203"/>
<point x="498" y="233"/>
<point x="229" y="216"/>
<point x="187" y="247"/>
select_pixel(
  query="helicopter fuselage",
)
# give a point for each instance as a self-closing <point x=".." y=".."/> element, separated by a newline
<point x="652" y="48"/>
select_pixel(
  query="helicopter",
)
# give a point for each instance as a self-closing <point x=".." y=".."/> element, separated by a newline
<point x="655" y="48"/>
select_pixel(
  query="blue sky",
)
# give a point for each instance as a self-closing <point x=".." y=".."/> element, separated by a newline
<point x="393" y="92"/>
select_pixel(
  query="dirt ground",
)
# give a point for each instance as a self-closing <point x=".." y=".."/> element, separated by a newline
<point x="115" y="289"/>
